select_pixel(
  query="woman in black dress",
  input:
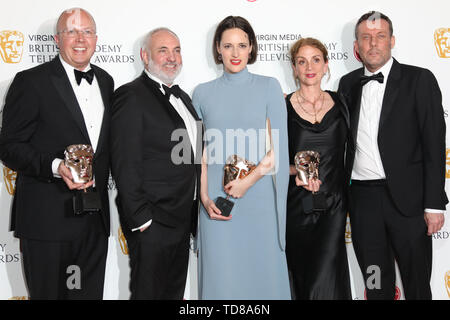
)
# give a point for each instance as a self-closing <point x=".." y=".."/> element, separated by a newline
<point x="317" y="121"/>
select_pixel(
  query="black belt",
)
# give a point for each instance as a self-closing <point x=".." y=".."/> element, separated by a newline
<point x="369" y="183"/>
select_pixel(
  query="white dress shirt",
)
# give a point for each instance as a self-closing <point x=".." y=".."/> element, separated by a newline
<point x="368" y="164"/>
<point x="188" y="119"/>
<point x="178" y="105"/>
<point x="91" y="104"/>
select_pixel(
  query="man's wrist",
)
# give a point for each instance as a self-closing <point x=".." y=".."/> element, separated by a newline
<point x="145" y="225"/>
<point x="55" y="165"/>
<point x="427" y="210"/>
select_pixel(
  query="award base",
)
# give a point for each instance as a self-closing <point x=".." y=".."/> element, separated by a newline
<point x="225" y="206"/>
<point x="86" y="202"/>
<point x="314" y="202"/>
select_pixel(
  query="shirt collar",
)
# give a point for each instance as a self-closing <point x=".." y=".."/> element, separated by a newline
<point x="69" y="69"/>
<point x="157" y="80"/>
<point x="384" y="69"/>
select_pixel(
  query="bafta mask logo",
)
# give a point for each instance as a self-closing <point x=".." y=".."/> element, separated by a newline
<point x="19" y="298"/>
<point x="11" y="46"/>
<point x="348" y="231"/>
<point x="447" y="161"/>
<point x="123" y="242"/>
<point x="442" y="42"/>
<point x="9" y="176"/>
<point x="447" y="282"/>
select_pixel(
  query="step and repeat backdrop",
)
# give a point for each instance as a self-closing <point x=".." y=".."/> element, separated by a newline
<point x="422" y="30"/>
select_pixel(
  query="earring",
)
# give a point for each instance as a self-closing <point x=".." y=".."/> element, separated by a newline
<point x="219" y="57"/>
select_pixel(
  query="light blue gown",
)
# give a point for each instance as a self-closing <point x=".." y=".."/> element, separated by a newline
<point x="244" y="258"/>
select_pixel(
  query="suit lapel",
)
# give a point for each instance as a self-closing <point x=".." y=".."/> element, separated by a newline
<point x="344" y="108"/>
<point x="188" y="103"/>
<point x="63" y="87"/>
<point x="105" y="92"/>
<point x="356" y="94"/>
<point x="200" y="127"/>
<point x="168" y="107"/>
<point x="390" y="93"/>
<point x="155" y="89"/>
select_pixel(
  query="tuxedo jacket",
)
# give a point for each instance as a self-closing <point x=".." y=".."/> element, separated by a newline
<point x="411" y="136"/>
<point x="41" y="117"/>
<point x="150" y="184"/>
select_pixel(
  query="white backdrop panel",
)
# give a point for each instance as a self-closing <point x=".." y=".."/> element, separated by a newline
<point x="121" y="26"/>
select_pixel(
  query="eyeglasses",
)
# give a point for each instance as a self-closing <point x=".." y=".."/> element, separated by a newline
<point x="74" y="33"/>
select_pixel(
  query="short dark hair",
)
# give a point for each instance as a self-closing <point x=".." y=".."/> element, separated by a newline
<point x="373" y="15"/>
<point x="232" y="22"/>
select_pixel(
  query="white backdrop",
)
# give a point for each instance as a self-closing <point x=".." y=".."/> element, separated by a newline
<point x="121" y="25"/>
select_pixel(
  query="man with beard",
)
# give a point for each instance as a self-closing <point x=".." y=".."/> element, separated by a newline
<point x="155" y="133"/>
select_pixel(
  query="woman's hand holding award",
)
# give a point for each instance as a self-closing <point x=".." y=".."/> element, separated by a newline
<point x="235" y="168"/>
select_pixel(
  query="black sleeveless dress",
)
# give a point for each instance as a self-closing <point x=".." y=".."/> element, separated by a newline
<point x="315" y="242"/>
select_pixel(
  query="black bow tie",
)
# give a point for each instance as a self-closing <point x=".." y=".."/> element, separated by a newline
<point x="377" y="77"/>
<point x="175" y="90"/>
<point x="79" y="75"/>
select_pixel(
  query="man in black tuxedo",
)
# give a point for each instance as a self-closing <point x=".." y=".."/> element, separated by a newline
<point x="396" y="163"/>
<point x="47" y="108"/>
<point x="155" y="135"/>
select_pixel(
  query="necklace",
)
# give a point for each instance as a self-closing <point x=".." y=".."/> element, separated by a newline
<point x="316" y="112"/>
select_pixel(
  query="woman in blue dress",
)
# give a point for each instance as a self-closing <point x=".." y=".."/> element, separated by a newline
<point x="242" y="256"/>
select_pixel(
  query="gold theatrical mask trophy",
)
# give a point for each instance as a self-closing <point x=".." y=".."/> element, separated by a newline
<point x="307" y="165"/>
<point x="235" y="168"/>
<point x="79" y="158"/>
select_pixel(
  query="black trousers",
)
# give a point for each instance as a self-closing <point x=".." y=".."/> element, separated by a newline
<point x="159" y="259"/>
<point x="69" y="270"/>
<point x="380" y="234"/>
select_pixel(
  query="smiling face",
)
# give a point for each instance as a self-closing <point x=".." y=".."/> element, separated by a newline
<point x="76" y="38"/>
<point x="162" y="57"/>
<point x="235" y="49"/>
<point x="374" y="43"/>
<point x="310" y="65"/>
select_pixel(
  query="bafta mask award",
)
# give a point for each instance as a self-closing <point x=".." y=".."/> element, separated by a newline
<point x="307" y="165"/>
<point x="235" y="168"/>
<point x="78" y="158"/>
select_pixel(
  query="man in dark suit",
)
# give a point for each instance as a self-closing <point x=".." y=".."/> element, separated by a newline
<point x="62" y="102"/>
<point x="396" y="163"/>
<point x="155" y="135"/>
